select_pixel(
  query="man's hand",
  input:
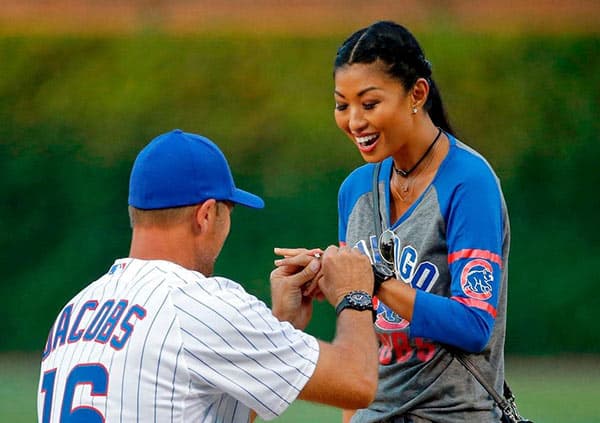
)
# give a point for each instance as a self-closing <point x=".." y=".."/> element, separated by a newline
<point x="310" y="288"/>
<point x="343" y="270"/>
<point x="331" y="273"/>
<point x="287" y="282"/>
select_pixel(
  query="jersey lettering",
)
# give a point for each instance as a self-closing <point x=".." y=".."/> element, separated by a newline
<point x="425" y="276"/>
<point x="110" y="322"/>
<point x="406" y="263"/>
<point x="127" y="326"/>
<point x="48" y="347"/>
<point x="92" y="330"/>
<point x="76" y="334"/>
<point x="395" y="347"/>
<point x="48" y="391"/>
<point x="93" y="374"/>
<point x="62" y="327"/>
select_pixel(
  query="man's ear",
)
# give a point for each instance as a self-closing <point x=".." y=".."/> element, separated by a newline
<point x="205" y="215"/>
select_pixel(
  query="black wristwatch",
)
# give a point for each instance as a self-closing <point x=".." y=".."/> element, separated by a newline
<point x="382" y="273"/>
<point x="356" y="300"/>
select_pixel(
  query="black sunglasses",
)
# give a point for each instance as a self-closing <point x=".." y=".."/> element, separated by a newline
<point x="386" y="246"/>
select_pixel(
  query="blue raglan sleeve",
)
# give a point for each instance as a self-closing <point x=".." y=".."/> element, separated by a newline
<point x="473" y="211"/>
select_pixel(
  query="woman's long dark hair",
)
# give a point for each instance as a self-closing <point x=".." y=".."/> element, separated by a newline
<point x="396" y="47"/>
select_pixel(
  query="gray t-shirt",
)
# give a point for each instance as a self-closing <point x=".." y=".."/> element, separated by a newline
<point x="452" y="246"/>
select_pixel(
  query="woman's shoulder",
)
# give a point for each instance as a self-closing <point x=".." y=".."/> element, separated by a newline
<point x="361" y="171"/>
<point x="356" y="185"/>
<point x="468" y="182"/>
<point x="359" y="179"/>
<point x="466" y="162"/>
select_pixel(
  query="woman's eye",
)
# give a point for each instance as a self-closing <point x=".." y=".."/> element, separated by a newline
<point x="369" y="106"/>
<point x="340" y="107"/>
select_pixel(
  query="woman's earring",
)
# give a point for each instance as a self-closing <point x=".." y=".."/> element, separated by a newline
<point x="414" y="110"/>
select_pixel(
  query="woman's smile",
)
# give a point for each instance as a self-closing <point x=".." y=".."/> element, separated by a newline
<point x="367" y="143"/>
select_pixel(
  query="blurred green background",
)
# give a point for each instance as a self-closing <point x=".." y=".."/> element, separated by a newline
<point x="76" y="109"/>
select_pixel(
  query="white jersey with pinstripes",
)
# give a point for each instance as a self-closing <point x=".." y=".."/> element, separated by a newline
<point x="151" y="341"/>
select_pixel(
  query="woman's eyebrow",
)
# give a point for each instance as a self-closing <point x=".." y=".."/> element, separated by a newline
<point x="360" y="93"/>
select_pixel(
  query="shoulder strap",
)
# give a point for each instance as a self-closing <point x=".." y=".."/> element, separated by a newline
<point x="376" y="213"/>
<point x="506" y="402"/>
<point x="470" y="366"/>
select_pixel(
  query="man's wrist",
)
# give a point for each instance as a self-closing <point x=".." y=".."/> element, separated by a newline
<point x="355" y="300"/>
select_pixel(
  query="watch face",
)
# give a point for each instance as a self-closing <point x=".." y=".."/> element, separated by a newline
<point x="357" y="300"/>
<point x="384" y="271"/>
<point x="360" y="299"/>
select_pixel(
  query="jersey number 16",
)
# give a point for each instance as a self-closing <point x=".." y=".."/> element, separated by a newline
<point x="92" y="374"/>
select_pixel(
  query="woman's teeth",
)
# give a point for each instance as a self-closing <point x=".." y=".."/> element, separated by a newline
<point x="368" y="140"/>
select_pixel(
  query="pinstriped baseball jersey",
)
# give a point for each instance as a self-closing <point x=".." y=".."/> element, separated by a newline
<point x="452" y="246"/>
<point x="151" y="341"/>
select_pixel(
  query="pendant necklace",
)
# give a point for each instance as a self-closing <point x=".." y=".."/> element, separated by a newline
<point x="405" y="173"/>
<point x="404" y="189"/>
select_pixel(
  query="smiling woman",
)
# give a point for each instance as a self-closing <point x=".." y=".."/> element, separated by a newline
<point x="443" y="218"/>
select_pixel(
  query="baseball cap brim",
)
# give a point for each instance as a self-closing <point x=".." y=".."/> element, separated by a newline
<point x="247" y="199"/>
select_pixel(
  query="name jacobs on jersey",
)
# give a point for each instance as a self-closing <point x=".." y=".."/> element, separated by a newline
<point x="112" y="322"/>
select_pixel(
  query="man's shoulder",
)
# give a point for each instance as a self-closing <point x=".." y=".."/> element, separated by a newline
<point x="171" y="278"/>
<point x="194" y="284"/>
<point x="137" y="270"/>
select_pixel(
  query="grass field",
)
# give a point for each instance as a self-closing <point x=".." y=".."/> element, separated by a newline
<point x="548" y="389"/>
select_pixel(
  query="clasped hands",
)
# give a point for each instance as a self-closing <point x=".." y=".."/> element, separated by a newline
<point x="302" y="275"/>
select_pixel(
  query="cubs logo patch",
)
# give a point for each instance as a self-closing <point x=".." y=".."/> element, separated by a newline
<point x="386" y="319"/>
<point x="476" y="279"/>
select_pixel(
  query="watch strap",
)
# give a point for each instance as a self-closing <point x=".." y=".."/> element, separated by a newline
<point x="381" y="274"/>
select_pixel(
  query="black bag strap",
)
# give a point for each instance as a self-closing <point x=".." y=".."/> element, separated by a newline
<point x="470" y="366"/>
<point x="506" y="402"/>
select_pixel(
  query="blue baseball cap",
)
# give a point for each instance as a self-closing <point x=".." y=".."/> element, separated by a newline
<point x="179" y="169"/>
